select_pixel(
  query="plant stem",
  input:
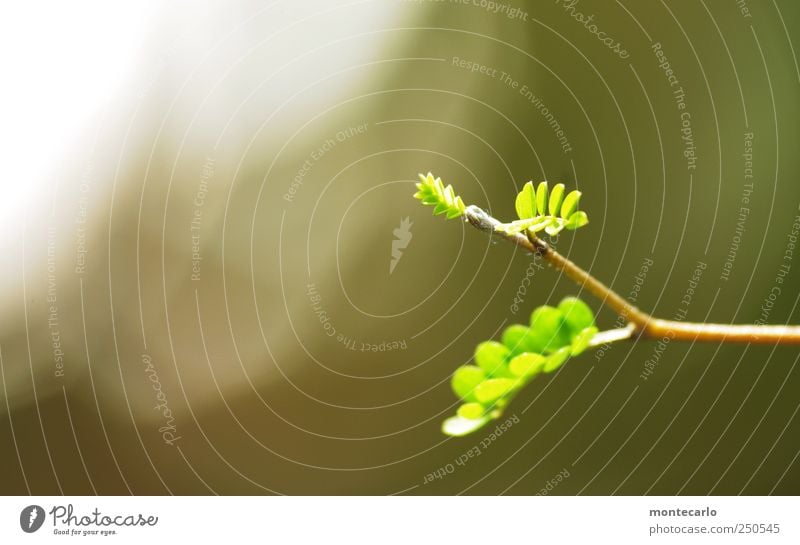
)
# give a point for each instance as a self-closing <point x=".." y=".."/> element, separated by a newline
<point x="642" y="323"/>
<point x="613" y="335"/>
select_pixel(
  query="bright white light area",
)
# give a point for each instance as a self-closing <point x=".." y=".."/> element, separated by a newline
<point x="60" y="62"/>
<point x="63" y="61"/>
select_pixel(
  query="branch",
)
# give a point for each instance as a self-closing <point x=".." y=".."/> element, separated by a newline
<point x="642" y="323"/>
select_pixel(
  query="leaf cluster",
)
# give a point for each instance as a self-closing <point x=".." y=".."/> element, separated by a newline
<point x="502" y="369"/>
<point x="543" y="209"/>
<point x="432" y="191"/>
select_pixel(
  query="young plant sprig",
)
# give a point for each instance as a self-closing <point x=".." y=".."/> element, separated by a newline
<point x="502" y="369"/>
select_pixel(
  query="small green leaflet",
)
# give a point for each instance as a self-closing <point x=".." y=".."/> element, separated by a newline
<point x="543" y="209"/>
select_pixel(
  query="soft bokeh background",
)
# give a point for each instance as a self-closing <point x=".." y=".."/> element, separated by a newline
<point x="128" y="124"/>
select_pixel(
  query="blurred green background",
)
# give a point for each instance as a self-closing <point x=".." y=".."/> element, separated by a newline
<point x="297" y="132"/>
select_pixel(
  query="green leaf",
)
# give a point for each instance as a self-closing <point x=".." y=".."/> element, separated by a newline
<point x="491" y="357"/>
<point x="493" y="389"/>
<point x="570" y="204"/>
<point x="458" y="426"/>
<point x="577" y="220"/>
<point x="580" y="342"/>
<point x="545" y="209"/>
<point x="556" y="198"/>
<point x="553" y="227"/>
<point x="471" y="411"/>
<point x="548" y="330"/>
<point x="577" y="314"/>
<point x="527" y="365"/>
<point x="541" y="198"/>
<point x="557" y="359"/>
<point x="514" y="338"/>
<point x="465" y="380"/>
<point x="432" y="191"/>
<point x="526" y="202"/>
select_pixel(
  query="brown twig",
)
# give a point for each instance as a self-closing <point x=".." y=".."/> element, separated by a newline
<point x="642" y="323"/>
